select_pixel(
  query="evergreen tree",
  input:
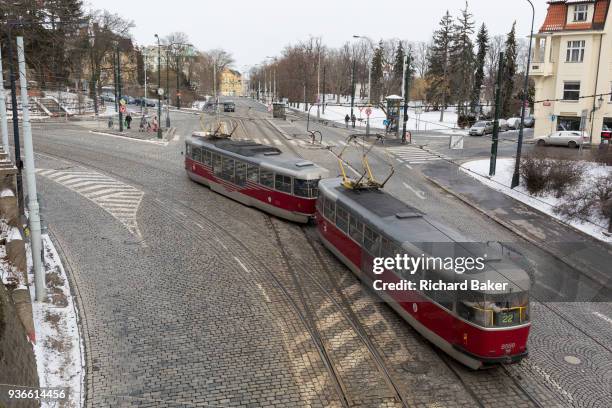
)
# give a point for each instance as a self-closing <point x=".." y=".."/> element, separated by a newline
<point x="462" y="59"/>
<point x="507" y="103"/>
<point x="377" y="73"/>
<point x="482" y="41"/>
<point x="398" y="69"/>
<point x="438" y="61"/>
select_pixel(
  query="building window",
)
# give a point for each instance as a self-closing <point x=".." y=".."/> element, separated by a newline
<point x="580" y="12"/>
<point x="571" y="91"/>
<point x="568" y="123"/>
<point x="575" y="51"/>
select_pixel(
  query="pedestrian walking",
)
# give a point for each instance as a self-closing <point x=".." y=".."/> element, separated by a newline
<point x="353" y="120"/>
<point x="128" y="120"/>
<point x="346" y="120"/>
<point x="155" y="123"/>
<point x="110" y="122"/>
<point x="143" y="123"/>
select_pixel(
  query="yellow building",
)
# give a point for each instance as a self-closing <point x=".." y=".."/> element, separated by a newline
<point x="572" y="67"/>
<point x="231" y="83"/>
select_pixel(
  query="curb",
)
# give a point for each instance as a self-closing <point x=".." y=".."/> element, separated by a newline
<point x="159" y="142"/>
<point x="593" y="274"/>
<point x="282" y="132"/>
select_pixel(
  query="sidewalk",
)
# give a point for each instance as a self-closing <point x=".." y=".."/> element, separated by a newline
<point x="572" y="247"/>
<point x="133" y="133"/>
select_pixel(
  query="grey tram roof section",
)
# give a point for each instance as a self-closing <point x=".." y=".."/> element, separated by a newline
<point x="418" y="234"/>
<point x="267" y="157"/>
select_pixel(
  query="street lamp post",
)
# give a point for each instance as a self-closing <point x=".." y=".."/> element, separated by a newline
<point x="168" y="87"/>
<point x="159" y="89"/>
<point x="515" y="176"/>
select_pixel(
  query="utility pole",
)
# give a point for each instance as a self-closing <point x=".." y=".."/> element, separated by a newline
<point x="444" y="87"/>
<point x="324" y="89"/>
<point x="3" y="118"/>
<point x="353" y="91"/>
<point x="159" y="89"/>
<point x="143" y="106"/>
<point x="500" y="72"/>
<point x="16" y="143"/>
<point x="115" y="64"/>
<point x="319" y="86"/>
<point x="168" y="87"/>
<point x="519" y="145"/>
<point x="119" y="90"/>
<point x="178" y="85"/>
<point x="406" y="94"/>
<point x="34" y="216"/>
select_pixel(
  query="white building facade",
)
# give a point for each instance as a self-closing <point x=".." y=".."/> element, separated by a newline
<point x="572" y="69"/>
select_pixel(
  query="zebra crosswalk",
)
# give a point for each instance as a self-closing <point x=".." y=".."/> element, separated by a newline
<point x="415" y="155"/>
<point x="117" y="198"/>
<point x="293" y="142"/>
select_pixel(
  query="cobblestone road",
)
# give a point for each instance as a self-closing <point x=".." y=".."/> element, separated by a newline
<point x="193" y="317"/>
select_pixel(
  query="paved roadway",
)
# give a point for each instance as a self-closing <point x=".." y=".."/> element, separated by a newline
<point x="188" y="298"/>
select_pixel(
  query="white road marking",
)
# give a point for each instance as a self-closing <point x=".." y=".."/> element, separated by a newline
<point x="176" y="137"/>
<point x="266" y="141"/>
<point x="221" y="243"/>
<point x="115" y="197"/>
<point x="415" y="155"/>
<point x="241" y="264"/>
<point x="199" y="226"/>
<point x="602" y="316"/>
<point x="417" y="192"/>
<point x="409" y="166"/>
<point x="277" y="142"/>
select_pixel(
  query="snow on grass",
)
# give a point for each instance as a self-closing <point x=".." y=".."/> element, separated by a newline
<point x="479" y="169"/>
<point x="58" y="348"/>
<point x="426" y="121"/>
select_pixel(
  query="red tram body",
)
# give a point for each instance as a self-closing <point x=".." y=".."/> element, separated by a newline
<point x="488" y="328"/>
<point x="255" y="175"/>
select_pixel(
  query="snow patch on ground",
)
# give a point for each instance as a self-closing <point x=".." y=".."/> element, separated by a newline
<point x="479" y="169"/>
<point x="58" y="348"/>
<point x="426" y="121"/>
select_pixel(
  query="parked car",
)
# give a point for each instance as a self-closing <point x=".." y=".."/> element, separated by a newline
<point x="481" y="128"/>
<point x="129" y="99"/>
<point x="529" y="121"/>
<point x="229" y="106"/>
<point x="570" y="138"/>
<point x="514" y="123"/>
<point x="503" y="125"/>
<point x="108" y="97"/>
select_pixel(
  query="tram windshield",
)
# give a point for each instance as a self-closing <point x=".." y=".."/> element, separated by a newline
<point x="305" y="188"/>
<point x="494" y="310"/>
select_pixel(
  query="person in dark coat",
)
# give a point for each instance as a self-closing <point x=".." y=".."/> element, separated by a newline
<point x="347" y="118"/>
<point x="128" y="120"/>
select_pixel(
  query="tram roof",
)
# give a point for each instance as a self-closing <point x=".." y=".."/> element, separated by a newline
<point x="268" y="157"/>
<point x="417" y="233"/>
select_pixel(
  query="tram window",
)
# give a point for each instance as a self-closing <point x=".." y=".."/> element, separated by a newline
<point x="371" y="240"/>
<point x="305" y="188"/>
<point x="329" y="210"/>
<point x="266" y="178"/>
<point x="356" y="229"/>
<point x="253" y="173"/>
<point x="188" y="150"/>
<point x="228" y="169"/>
<point x="342" y="218"/>
<point x="509" y="309"/>
<point x="197" y="154"/>
<point x="217" y="164"/>
<point x="283" y="183"/>
<point x="206" y="157"/>
<point x="241" y="169"/>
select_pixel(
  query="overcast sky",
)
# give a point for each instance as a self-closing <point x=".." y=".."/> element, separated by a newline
<point x="252" y="30"/>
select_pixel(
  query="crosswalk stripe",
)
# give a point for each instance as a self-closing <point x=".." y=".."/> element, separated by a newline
<point x="277" y="142"/>
<point x="266" y="141"/>
<point x="415" y="155"/>
<point x="117" y="198"/>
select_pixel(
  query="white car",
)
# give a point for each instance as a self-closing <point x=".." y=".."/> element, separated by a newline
<point x="570" y="138"/>
<point x="514" y="123"/>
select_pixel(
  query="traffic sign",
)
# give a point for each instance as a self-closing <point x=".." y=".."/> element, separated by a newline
<point x="122" y="109"/>
<point x="546" y="103"/>
<point x="122" y="101"/>
<point x="160" y="91"/>
<point x="368" y="111"/>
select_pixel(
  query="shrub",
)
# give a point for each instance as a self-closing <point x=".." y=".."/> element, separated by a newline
<point x="564" y="174"/>
<point x="602" y="154"/>
<point x="535" y="173"/>
<point x="594" y="199"/>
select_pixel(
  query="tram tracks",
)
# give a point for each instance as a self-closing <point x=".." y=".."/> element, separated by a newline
<point x="170" y="197"/>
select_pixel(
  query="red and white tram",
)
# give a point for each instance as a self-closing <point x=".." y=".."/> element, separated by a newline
<point x="476" y="327"/>
<point x="256" y="175"/>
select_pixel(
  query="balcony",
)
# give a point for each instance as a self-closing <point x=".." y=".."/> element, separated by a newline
<point x="541" y="68"/>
